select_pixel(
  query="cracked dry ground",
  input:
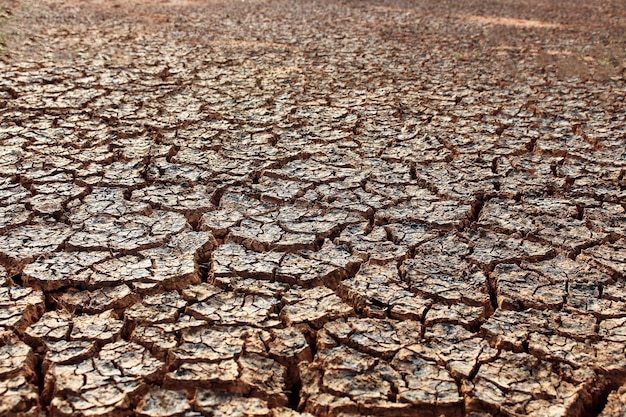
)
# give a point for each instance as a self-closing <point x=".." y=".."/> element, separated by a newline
<point x="275" y="208"/>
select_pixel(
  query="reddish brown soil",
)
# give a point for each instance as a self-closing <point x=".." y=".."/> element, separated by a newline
<point x="327" y="208"/>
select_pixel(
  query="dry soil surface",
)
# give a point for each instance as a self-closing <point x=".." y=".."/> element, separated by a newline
<point x="313" y="208"/>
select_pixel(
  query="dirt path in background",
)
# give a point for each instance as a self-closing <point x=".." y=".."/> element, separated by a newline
<point x="290" y="208"/>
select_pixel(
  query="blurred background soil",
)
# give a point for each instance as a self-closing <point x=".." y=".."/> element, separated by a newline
<point x="506" y="38"/>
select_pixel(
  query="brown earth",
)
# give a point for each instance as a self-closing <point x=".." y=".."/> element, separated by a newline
<point x="327" y="208"/>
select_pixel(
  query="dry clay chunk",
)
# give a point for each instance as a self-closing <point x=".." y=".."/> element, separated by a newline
<point x="289" y="346"/>
<point x="106" y="202"/>
<point x="235" y="260"/>
<point x="277" y="190"/>
<point x="269" y="236"/>
<point x="225" y="404"/>
<point x="569" y="234"/>
<point x="12" y="216"/>
<point x="17" y="359"/>
<point x="463" y="314"/>
<point x="310" y="171"/>
<point x="159" y="308"/>
<point x="310" y="268"/>
<point x="491" y="248"/>
<point x="428" y="384"/>
<point x="519" y="384"/>
<point x="609" y="218"/>
<point x="610" y="257"/>
<point x="107" y="221"/>
<point x="19" y="398"/>
<point x="190" y="200"/>
<point x="154" y="338"/>
<point x="570" y="338"/>
<point x="410" y="235"/>
<point x="249" y="286"/>
<point x="19" y="246"/>
<point x="160" y="402"/>
<point x="99" y="300"/>
<point x="229" y="308"/>
<point x="454" y="347"/>
<point x="60" y="325"/>
<point x="130" y="232"/>
<point x="3" y="277"/>
<point x="343" y="379"/>
<point x="371" y="246"/>
<point x="11" y="193"/>
<point x="174" y="265"/>
<point x="107" y="383"/>
<point x="517" y="289"/>
<point x="61" y="269"/>
<point x="378" y="337"/>
<point x="65" y="352"/>
<point x="461" y="178"/>
<point x="51" y="197"/>
<point x="510" y="216"/>
<point x="251" y="374"/>
<point x="440" y="214"/>
<point x="378" y="289"/>
<point x="438" y="271"/>
<point x="322" y="224"/>
<point x="582" y="286"/>
<point x="315" y="307"/>
<point x="20" y="307"/>
<point x="206" y="344"/>
<point x="511" y="329"/>
<point x="220" y="221"/>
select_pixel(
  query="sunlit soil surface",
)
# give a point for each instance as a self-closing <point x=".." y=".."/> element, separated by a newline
<point x="313" y="208"/>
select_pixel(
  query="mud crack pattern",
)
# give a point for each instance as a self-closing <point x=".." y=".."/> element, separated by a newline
<point x="282" y="209"/>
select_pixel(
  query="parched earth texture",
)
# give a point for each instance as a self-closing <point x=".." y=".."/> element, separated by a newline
<point x="313" y="208"/>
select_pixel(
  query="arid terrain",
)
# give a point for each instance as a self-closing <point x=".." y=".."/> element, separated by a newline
<point x="290" y="208"/>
